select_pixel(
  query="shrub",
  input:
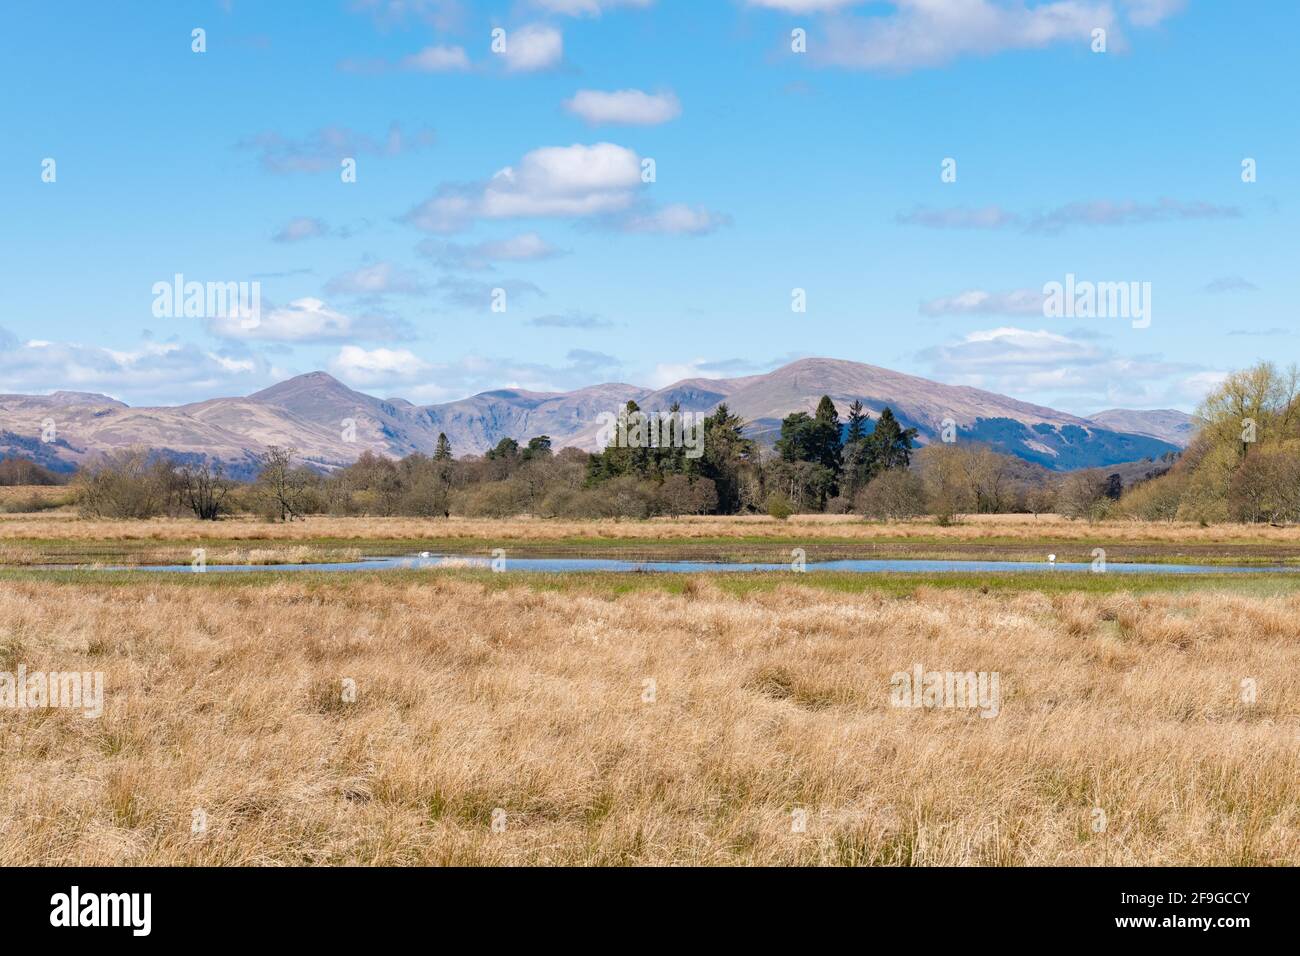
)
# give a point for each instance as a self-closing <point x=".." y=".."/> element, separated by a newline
<point x="494" y="499"/>
<point x="839" y="505"/>
<point x="680" y="495"/>
<point x="778" y="506"/>
<point x="126" y="484"/>
<point x="20" y="471"/>
<point x="1082" y="494"/>
<point x="1266" y="487"/>
<point x="892" y="495"/>
<point x="1154" y="500"/>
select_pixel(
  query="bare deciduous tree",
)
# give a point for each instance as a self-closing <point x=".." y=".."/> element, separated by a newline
<point x="203" y="487"/>
<point x="282" y="486"/>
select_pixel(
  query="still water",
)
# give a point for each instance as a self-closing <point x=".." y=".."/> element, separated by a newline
<point x="553" y="565"/>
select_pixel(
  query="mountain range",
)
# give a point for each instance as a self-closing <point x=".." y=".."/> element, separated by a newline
<point x="330" y="424"/>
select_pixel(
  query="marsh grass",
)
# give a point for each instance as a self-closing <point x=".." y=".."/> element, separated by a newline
<point x="477" y="691"/>
<point x="994" y="528"/>
<point x="67" y="540"/>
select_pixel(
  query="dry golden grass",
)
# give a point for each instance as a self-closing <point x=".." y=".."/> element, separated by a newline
<point x="68" y="526"/>
<point x="21" y="496"/>
<point x="228" y="699"/>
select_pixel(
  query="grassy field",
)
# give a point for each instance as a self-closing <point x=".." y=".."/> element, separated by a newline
<point x="971" y="528"/>
<point x="34" y="498"/>
<point x="770" y="703"/>
<point x="457" y="716"/>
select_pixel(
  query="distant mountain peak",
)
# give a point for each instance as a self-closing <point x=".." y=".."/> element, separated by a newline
<point x="331" y="424"/>
<point x="65" y="397"/>
<point x="1167" y="424"/>
<point x="308" y="380"/>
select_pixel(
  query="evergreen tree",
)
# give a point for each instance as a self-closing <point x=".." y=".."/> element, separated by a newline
<point x="891" y="443"/>
<point x="672" y="458"/>
<point x="728" y="457"/>
<point x="443" y="450"/>
<point x="828" y="445"/>
<point x="617" y="459"/>
<point x="857" y="422"/>
<point x="859" y="466"/>
<point x="810" y="450"/>
<point x="506" y="450"/>
<point x="798" y="441"/>
<point x="859" y="456"/>
<point x="539" y="447"/>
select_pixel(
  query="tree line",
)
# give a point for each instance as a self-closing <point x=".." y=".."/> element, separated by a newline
<point x="818" y="463"/>
<point x="1243" y="465"/>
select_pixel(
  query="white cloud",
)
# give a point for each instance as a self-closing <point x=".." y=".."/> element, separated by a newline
<point x="1230" y="284"/>
<point x="600" y="181"/>
<point x="152" y="372"/>
<point x="469" y="294"/>
<point x="803" y="6"/>
<point x="628" y="107"/>
<point x="958" y="217"/>
<point x="439" y="14"/>
<point x="571" y="181"/>
<point x="920" y="33"/>
<point x="372" y="367"/>
<point x="1044" y="366"/>
<point x="381" y="278"/>
<point x="476" y="373"/>
<point x="304" y="320"/>
<point x="983" y="302"/>
<point x="667" y="373"/>
<point x="1013" y="349"/>
<point x="300" y="228"/>
<point x="572" y="319"/>
<point x="436" y="59"/>
<point x="586" y="8"/>
<point x="326" y="147"/>
<point x="676" y="219"/>
<point x="1194" y="387"/>
<point x="1104" y="212"/>
<point x="426" y="382"/>
<point x="533" y="47"/>
<point x="1096" y="212"/>
<point x="1147" y="13"/>
<point x="525" y="247"/>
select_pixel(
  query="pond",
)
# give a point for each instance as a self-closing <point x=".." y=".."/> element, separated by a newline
<point x="433" y="562"/>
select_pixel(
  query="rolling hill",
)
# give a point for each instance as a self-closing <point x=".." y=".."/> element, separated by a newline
<point x="331" y="424"/>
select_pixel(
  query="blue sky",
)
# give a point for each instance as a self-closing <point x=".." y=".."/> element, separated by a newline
<point x="774" y="170"/>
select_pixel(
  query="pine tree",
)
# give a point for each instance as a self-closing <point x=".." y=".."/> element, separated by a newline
<point x="810" y="450"/>
<point x="798" y="441"/>
<point x="728" y="457"/>
<point x="829" y="447"/>
<point x="539" y="447"/>
<point x="857" y="422"/>
<point x="443" y="450"/>
<point x="617" y="459"/>
<point x="507" y="449"/>
<point x="891" y="443"/>
<point x="858" y="456"/>
<point x="672" y="459"/>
